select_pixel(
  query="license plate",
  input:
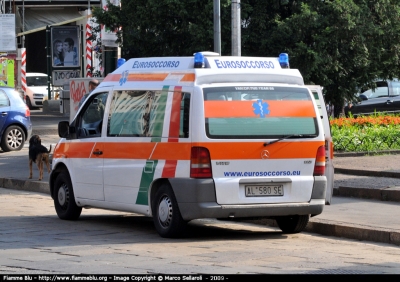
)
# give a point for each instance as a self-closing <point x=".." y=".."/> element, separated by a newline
<point x="263" y="190"/>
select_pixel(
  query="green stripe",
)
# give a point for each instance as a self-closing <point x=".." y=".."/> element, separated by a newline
<point x="150" y="167"/>
<point x="159" y="120"/>
<point x="147" y="178"/>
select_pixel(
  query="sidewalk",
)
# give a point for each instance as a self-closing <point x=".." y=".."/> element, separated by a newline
<point x="365" y="206"/>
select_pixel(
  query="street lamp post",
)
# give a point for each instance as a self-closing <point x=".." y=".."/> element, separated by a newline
<point x="236" y="26"/>
<point x="217" y="27"/>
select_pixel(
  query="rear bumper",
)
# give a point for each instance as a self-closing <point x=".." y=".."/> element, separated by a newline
<point x="196" y="199"/>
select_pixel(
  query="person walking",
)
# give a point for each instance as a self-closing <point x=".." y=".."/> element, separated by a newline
<point x="92" y="85"/>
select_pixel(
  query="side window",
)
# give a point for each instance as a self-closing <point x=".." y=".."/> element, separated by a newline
<point x="184" y="116"/>
<point x="396" y="88"/>
<point x="381" y="90"/>
<point x="147" y="113"/>
<point x="4" y="101"/>
<point x="91" y="118"/>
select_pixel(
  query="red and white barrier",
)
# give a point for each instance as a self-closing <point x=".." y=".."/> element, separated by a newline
<point x="88" y="51"/>
<point x="23" y="69"/>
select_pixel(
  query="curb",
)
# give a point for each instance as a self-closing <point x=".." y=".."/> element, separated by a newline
<point x="391" y="194"/>
<point x="25" y="185"/>
<point x="357" y="232"/>
<point x="315" y="225"/>
<point x="358" y="172"/>
<point x="342" y="230"/>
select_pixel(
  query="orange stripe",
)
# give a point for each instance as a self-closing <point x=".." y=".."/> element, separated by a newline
<point x="74" y="150"/>
<point x="147" y="76"/>
<point x="112" y="77"/>
<point x="188" y="77"/>
<point x="128" y="150"/>
<point x="181" y="151"/>
<point x="279" y="150"/>
<point x="172" y="151"/>
<point x="225" y="109"/>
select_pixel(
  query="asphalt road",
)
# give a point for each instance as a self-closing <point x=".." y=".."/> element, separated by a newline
<point x="33" y="240"/>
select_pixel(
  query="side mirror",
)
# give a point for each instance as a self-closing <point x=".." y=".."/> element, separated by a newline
<point x="63" y="129"/>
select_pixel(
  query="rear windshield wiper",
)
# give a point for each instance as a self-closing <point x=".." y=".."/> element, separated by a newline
<point x="290" y="136"/>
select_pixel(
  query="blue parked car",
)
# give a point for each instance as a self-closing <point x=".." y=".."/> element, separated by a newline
<point x="15" y="120"/>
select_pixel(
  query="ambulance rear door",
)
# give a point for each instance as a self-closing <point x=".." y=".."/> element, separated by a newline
<point x="263" y="142"/>
<point x="329" y="168"/>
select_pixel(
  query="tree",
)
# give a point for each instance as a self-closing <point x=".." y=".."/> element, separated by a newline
<point x="342" y="45"/>
<point x="165" y="28"/>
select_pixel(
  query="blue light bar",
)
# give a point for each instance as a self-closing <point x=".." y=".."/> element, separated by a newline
<point x="198" y="61"/>
<point x="120" y="62"/>
<point x="284" y="60"/>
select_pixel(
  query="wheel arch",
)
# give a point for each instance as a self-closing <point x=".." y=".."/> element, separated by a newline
<point x="155" y="185"/>
<point x="61" y="167"/>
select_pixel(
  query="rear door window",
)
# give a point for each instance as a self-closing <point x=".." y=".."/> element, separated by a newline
<point x="259" y="112"/>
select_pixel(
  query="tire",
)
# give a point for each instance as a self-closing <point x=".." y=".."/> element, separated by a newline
<point x="293" y="223"/>
<point x="167" y="217"/>
<point x="13" y="139"/>
<point x="64" y="199"/>
<point x="29" y="103"/>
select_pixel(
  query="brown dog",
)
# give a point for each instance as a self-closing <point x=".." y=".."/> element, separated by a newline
<point x="38" y="154"/>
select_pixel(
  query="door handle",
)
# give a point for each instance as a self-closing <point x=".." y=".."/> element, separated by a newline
<point x="389" y="101"/>
<point x="98" y="153"/>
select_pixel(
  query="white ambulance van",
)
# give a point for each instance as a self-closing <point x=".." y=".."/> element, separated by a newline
<point x="184" y="138"/>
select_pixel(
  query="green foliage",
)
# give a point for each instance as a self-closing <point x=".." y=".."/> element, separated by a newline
<point x="165" y="28"/>
<point x="366" y="133"/>
<point x="366" y="140"/>
<point x="339" y="44"/>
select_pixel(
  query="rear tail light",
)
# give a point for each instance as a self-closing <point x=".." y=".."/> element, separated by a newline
<point x="200" y="163"/>
<point x="27" y="112"/>
<point x="319" y="168"/>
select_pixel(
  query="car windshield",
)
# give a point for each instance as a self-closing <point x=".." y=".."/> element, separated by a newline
<point x="36" y="80"/>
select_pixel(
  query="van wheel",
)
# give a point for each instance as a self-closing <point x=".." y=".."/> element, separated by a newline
<point x="13" y="139"/>
<point x="64" y="199"/>
<point x="293" y="223"/>
<point x="167" y="217"/>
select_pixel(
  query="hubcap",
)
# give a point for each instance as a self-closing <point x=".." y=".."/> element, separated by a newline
<point x="63" y="196"/>
<point x="14" y="138"/>
<point x="165" y="212"/>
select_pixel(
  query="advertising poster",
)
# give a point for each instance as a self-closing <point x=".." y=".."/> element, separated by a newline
<point x="7" y="27"/>
<point x="7" y="71"/>
<point x="65" y="46"/>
